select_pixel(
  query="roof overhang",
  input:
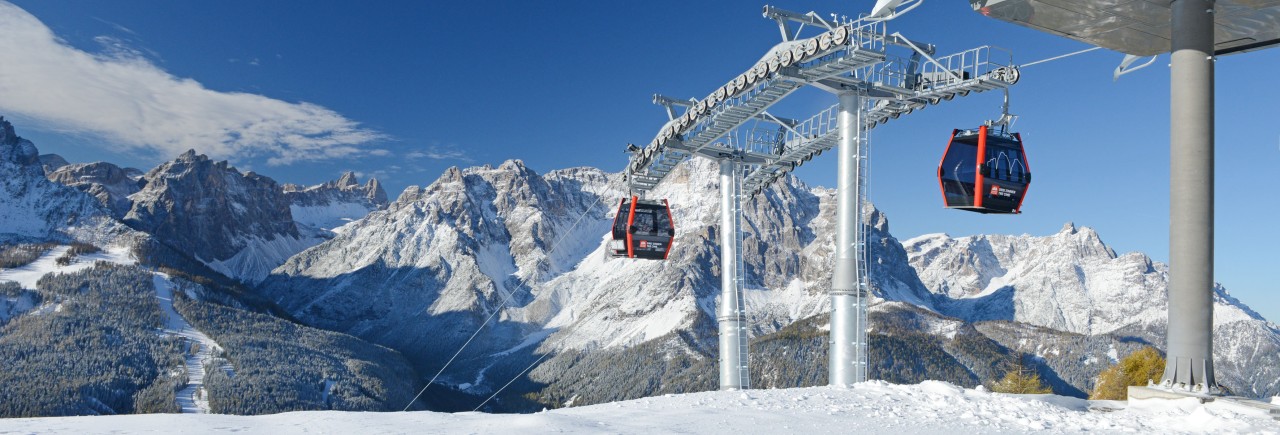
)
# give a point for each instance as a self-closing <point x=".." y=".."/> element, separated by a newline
<point x="1139" y="27"/>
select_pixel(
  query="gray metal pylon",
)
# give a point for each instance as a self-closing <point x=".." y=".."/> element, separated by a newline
<point x="1190" y="340"/>
<point x="733" y="336"/>
<point x="847" y="343"/>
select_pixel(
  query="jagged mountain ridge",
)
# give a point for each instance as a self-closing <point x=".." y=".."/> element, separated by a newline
<point x="280" y="366"/>
<point x="332" y="204"/>
<point x="422" y="274"/>
<point x="570" y="298"/>
<point x="238" y="224"/>
<point x="37" y="209"/>
<point x="111" y="185"/>
<point x="1071" y="281"/>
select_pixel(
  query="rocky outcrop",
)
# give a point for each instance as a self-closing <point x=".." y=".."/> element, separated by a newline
<point x="335" y="203"/>
<point x="238" y="224"/>
<point x="109" y="183"/>
<point x="33" y="208"/>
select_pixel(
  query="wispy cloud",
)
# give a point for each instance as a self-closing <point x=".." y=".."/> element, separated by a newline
<point x="127" y="99"/>
<point x="117" y="26"/>
<point x="438" y="153"/>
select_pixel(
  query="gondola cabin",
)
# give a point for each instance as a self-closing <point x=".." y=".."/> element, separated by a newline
<point x="985" y="171"/>
<point x="642" y="229"/>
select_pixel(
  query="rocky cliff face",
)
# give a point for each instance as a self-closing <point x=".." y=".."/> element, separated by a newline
<point x="51" y="162"/>
<point x="441" y="259"/>
<point x="1073" y="282"/>
<point x="33" y="208"/>
<point x="333" y="204"/>
<point x="527" y="250"/>
<point x="110" y="184"/>
<point x="238" y="224"/>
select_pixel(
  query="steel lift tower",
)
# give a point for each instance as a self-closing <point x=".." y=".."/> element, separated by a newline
<point x="1195" y="32"/>
<point x="877" y="77"/>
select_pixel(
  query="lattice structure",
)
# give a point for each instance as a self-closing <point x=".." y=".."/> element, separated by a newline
<point x="879" y="77"/>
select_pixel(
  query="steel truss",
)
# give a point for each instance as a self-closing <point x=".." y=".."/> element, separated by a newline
<point x="879" y="76"/>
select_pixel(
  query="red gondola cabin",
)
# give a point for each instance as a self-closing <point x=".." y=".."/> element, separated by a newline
<point x="984" y="171"/>
<point x="642" y="229"/>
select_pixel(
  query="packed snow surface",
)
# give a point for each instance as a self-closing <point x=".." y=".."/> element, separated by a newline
<point x="192" y="398"/>
<point x="872" y="407"/>
<point x="28" y="275"/>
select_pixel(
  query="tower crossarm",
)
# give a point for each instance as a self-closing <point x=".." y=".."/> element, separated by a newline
<point x="847" y="46"/>
<point x="895" y="88"/>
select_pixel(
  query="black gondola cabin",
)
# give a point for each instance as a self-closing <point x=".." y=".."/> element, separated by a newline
<point x="984" y="171"/>
<point x="642" y="229"/>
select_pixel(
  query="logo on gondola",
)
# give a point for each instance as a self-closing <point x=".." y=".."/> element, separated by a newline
<point x="644" y="244"/>
<point x="1002" y="192"/>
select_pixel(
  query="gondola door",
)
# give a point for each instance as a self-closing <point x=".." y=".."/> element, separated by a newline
<point x="984" y="171"/>
<point x="642" y="229"/>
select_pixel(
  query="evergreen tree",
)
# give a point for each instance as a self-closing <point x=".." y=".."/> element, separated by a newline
<point x="1146" y="364"/>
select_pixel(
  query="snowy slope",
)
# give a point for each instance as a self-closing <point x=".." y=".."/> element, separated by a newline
<point x="872" y="407"/>
<point x="527" y="249"/>
<point x="192" y="398"/>
<point x="1072" y="281"/>
<point x="34" y="208"/>
<point x="28" y="275"/>
<point x="332" y="204"/>
<point x="428" y="270"/>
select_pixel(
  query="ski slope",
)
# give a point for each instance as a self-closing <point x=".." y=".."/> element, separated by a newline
<point x="873" y="407"/>
<point x="192" y="398"/>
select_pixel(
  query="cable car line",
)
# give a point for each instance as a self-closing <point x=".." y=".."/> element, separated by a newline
<point x="509" y="296"/>
<point x="1059" y="57"/>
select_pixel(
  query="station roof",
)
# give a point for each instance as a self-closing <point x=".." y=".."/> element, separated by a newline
<point x="1139" y="27"/>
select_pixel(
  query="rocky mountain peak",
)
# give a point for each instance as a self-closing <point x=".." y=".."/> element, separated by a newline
<point x="16" y="149"/>
<point x="110" y="184"/>
<point x="373" y="191"/>
<point x="348" y="179"/>
<point x="33" y="207"/>
<point x="516" y="165"/>
<point x="191" y="156"/>
<point x="239" y="224"/>
<point x="51" y="162"/>
<point x="7" y="135"/>
<point x="334" y="203"/>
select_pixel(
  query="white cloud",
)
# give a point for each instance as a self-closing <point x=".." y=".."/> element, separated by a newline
<point x="128" y="100"/>
<point x="438" y="153"/>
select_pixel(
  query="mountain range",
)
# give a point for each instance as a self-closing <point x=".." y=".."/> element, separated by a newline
<point x="509" y="266"/>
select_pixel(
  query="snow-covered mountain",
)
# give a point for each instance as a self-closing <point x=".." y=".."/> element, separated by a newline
<point x="237" y="224"/>
<point x="36" y="209"/>
<point x="1071" y="281"/>
<point x="109" y="183"/>
<point x="518" y="256"/>
<point x="527" y="249"/>
<point x="335" y="203"/>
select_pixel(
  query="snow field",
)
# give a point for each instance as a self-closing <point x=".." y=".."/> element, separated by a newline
<point x="872" y="407"/>
<point x="28" y="275"/>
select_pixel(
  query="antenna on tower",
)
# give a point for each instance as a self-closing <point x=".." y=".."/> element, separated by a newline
<point x="885" y="10"/>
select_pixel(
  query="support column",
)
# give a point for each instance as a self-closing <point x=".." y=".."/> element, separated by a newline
<point x="845" y="346"/>
<point x="1190" y="341"/>
<point x="733" y="358"/>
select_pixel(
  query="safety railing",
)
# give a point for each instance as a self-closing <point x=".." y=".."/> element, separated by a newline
<point x="969" y="64"/>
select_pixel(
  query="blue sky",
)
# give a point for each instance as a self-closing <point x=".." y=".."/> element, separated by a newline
<point x="403" y="90"/>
